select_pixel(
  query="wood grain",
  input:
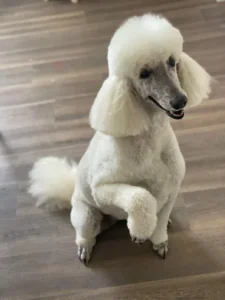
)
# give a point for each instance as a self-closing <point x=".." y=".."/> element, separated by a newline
<point x="52" y="63"/>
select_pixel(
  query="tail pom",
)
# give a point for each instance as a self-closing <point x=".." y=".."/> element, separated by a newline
<point x="52" y="182"/>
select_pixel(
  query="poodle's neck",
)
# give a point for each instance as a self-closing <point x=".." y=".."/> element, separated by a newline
<point x="157" y="132"/>
<point x="158" y="120"/>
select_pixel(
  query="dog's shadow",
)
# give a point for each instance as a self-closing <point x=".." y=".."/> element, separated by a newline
<point x="120" y="261"/>
<point x="117" y="260"/>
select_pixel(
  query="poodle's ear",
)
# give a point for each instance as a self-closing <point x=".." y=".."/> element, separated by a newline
<point x="116" y="111"/>
<point x="194" y="80"/>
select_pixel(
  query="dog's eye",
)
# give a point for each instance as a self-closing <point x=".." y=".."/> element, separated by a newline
<point x="171" y="62"/>
<point x="145" y="73"/>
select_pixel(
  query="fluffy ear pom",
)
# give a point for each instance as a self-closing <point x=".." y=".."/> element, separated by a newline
<point x="116" y="111"/>
<point x="194" y="80"/>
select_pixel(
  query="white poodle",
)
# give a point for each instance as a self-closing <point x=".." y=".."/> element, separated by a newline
<point x="133" y="167"/>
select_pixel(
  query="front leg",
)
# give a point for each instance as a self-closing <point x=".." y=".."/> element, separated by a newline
<point x="160" y="236"/>
<point x="138" y="203"/>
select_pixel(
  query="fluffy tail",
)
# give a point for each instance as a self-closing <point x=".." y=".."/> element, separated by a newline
<point x="52" y="182"/>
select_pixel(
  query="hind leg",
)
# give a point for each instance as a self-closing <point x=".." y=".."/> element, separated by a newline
<point x="87" y="222"/>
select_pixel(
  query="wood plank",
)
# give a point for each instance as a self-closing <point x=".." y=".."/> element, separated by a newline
<point x="193" y="288"/>
<point x="112" y="265"/>
<point x="205" y="208"/>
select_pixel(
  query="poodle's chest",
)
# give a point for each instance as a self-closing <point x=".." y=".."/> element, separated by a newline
<point x="161" y="175"/>
<point x="161" y="171"/>
<point x="161" y="168"/>
<point x="156" y="164"/>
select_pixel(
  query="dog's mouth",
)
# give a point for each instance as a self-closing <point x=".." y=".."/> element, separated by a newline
<point x="175" y="114"/>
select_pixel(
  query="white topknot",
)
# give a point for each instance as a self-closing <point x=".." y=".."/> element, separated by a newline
<point x="142" y="40"/>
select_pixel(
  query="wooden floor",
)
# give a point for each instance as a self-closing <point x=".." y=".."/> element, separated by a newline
<point x="52" y="63"/>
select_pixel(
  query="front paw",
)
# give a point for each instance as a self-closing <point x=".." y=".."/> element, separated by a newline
<point x="85" y="247"/>
<point x="161" y="249"/>
<point x="138" y="241"/>
<point x="84" y="255"/>
<point x="141" y="228"/>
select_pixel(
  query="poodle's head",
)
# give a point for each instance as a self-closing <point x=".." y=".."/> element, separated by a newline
<point x="148" y="70"/>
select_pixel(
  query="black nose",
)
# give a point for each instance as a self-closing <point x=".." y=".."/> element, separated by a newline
<point x="179" y="102"/>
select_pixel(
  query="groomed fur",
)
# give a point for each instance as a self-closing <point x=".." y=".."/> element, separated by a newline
<point x="52" y="182"/>
<point x="194" y="80"/>
<point x="116" y="111"/>
<point x="138" y="175"/>
<point x="142" y="40"/>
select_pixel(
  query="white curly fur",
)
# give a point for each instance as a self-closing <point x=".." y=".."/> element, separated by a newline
<point x="116" y="111"/>
<point x="133" y="167"/>
<point x="141" y="40"/>
<point x="53" y="179"/>
<point x="193" y="79"/>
